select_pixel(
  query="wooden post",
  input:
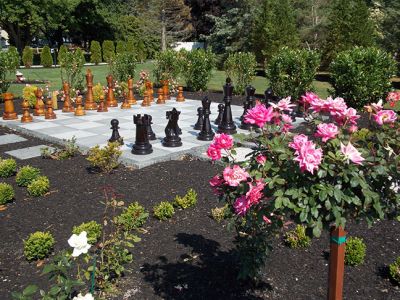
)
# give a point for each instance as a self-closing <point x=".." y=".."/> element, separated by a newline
<point x="336" y="263"/>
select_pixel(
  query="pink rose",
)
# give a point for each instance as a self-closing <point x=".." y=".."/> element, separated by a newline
<point x="326" y="131"/>
<point x="216" y="181"/>
<point x="385" y="116"/>
<point x="351" y="153"/>
<point x="234" y="176"/>
<point x="261" y="159"/>
<point x="286" y="119"/>
<point x="335" y="106"/>
<point x="223" y="141"/>
<point x="284" y="105"/>
<point x="255" y="193"/>
<point x="309" y="157"/>
<point x="308" y="98"/>
<point x="241" y="205"/>
<point x="213" y="152"/>
<point x="298" y="142"/>
<point x="259" y="115"/>
<point x="352" y="128"/>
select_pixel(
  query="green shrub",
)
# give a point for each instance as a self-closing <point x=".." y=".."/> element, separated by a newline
<point x="355" y="251"/>
<point x="93" y="230"/>
<point x="219" y="213"/>
<point x="362" y="75"/>
<point x="291" y="72"/>
<point x="39" y="186"/>
<point x="45" y="57"/>
<point x="108" y="51"/>
<point x="121" y="47"/>
<point x="6" y="193"/>
<point x="167" y="66"/>
<point x="26" y="175"/>
<point x="190" y="199"/>
<point x="241" y="68"/>
<point x="8" y="167"/>
<point x="164" y="210"/>
<point x="7" y="69"/>
<point x="124" y="66"/>
<point x="105" y="159"/>
<point x="394" y="270"/>
<point x="61" y="54"/>
<point x="95" y="52"/>
<point x="134" y="216"/>
<point x="27" y="57"/>
<point x="72" y="70"/>
<point x="14" y="56"/>
<point x="197" y="68"/>
<point x="297" y="238"/>
<point x="38" y="245"/>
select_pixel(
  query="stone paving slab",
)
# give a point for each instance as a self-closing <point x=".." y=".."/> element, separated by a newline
<point x="29" y="152"/>
<point x="10" y="139"/>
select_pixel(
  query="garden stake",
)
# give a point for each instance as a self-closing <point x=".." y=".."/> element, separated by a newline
<point x="336" y="263"/>
<point x="93" y="274"/>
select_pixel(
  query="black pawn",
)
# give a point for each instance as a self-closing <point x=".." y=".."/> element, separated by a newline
<point x="199" y="123"/>
<point x="248" y="104"/>
<point x="150" y="133"/>
<point x="142" y="145"/>
<point x="115" y="137"/>
<point x="206" y="133"/>
<point x="172" y="130"/>
<point x="227" y="125"/>
<point x="269" y="97"/>
<point x="220" y="114"/>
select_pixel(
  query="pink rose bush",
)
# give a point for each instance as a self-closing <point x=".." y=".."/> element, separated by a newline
<point x="221" y="142"/>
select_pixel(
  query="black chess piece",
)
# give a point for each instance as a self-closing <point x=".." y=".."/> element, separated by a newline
<point x="227" y="125"/>
<point x="248" y="104"/>
<point x="172" y="138"/>
<point x="206" y="133"/>
<point x="199" y="123"/>
<point x="220" y="114"/>
<point x="150" y="133"/>
<point x="115" y="137"/>
<point x="142" y="145"/>
<point x="269" y="97"/>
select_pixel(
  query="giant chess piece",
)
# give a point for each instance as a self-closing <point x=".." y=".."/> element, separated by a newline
<point x="142" y="145"/>
<point x="269" y="97"/>
<point x="172" y="138"/>
<point x="39" y="106"/>
<point x="227" y="125"/>
<point x="102" y="105"/>
<point x="218" y="120"/>
<point x="180" y="97"/>
<point x="150" y="133"/>
<point x="146" y="101"/>
<point x="67" y="99"/>
<point x="160" y="99"/>
<point x="206" y="133"/>
<point x="131" y="96"/>
<point x="200" y="119"/>
<point x="111" y="101"/>
<point x="49" y="114"/>
<point x="150" y="92"/>
<point x="115" y="137"/>
<point x="249" y="103"/>
<point x="125" y="104"/>
<point x="89" y="103"/>
<point x="26" y="116"/>
<point x="79" y="111"/>
<point x="165" y="87"/>
<point x="9" y="110"/>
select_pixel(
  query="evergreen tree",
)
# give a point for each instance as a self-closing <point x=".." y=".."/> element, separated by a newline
<point x="61" y="54"/>
<point x="45" y="57"/>
<point x="121" y="47"/>
<point x="177" y="20"/>
<point x="108" y="51"/>
<point x="95" y="52"/>
<point x="27" y="57"/>
<point x="390" y="26"/>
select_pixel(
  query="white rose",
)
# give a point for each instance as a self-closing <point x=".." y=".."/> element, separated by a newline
<point x="88" y="296"/>
<point x="79" y="243"/>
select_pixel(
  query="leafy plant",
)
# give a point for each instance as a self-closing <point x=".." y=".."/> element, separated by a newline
<point x="93" y="230"/>
<point x="297" y="238"/>
<point x="105" y="159"/>
<point x="98" y="90"/>
<point x="196" y="68"/>
<point x="38" y="245"/>
<point x="241" y="68"/>
<point x="8" y="167"/>
<point x="394" y="270"/>
<point x="121" y="47"/>
<point x="190" y="199"/>
<point x="355" y="251"/>
<point x="134" y="216"/>
<point x="45" y="57"/>
<point x="28" y="93"/>
<point x="27" y="57"/>
<point x="6" y="193"/>
<point x="95" y="52"/>
<point x="26" y="175"/>
<point x="14" y="56"/>
<point x="108" y="51"/>
<point x="7" y="69"/>
<point x="39" y="186"/>
<point x="123" y="67"/>
<point x="167" y="66"/>
<point x="71" y="70"/>
<point x="164" y="210"/>
<point x="220" y="213"/>
<point x="26" y="294"/>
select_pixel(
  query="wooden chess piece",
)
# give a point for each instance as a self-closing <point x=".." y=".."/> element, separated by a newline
<point x="199" y="123"/>
<point x="150" y="92"/>
<point x="160" y="99"/>
<point x="220" y="114"/>
<point x="125" y="104"/>
<point x="111" y="101"/>
<point x="227" y="125"/>
<point x="102" y="107"/>
<point x="79" y="111"/>
<point x="172" y="130"/>
<point x="115" y="137"/>
<point x="142" y="145"/>
<point x="9" y="110"/>
<point x="131" y="96"/>
<point x="206" y="133"/>
<point x="26" y="116"/>
<point x="39" y="106"/>
<point x="180" y="97"/>
<point x="54" y="99"/>
<point x="145" y="101"/>
<point x="166" y="89"/>
<point x="249" y="103"/>
<point x="49" y="114"/>
<point x="89" y="103"/>
<point x="67" y="100"/>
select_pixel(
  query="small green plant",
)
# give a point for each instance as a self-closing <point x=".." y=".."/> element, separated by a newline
<point x="219" y="213"/>
<point x="70" y="149"/>
<point x="8" y="167"/>
<point x="45" y="57"/>
<point x="95" y="52"/>
<point x="38" y="245"/>
<point x="105" y="159"/>
<point x="134" y="216"/>
<point x="190" y="199"/>
<point x="98" y="90"/>
<point x="28" y="93"/>
<point x="93" y="230"/>
<point x="355" y="251"/>
<point x="39" y="186"/>
<point x="26" y="175"/>
<point x="297" y="238"/>
<point x="164" y="210"/>
<point x="27" y="57"/>
<point x="6" y="193"/>
<point x="394" y="270"/>
<point x="45" y="152"/>
<point x="241" y="67"/>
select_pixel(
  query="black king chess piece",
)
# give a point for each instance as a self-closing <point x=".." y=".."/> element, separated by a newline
<point x="227" y="125"/>
<point x="220" y="114"/>
<point x="249" y="103"/>
<point x="172" y="138"/>
<point x="142" y="145"/>
<point x="150" y="133"/>
<point x="115" y="137"/>
<point x="206" y="133"/>
<point x="199" y="123"/>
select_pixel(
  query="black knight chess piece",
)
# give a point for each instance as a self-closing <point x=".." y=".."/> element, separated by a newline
<point x="206" y="133"/>
<point x="150" y="133"/>
<point x="249" y="103"/>
<point x="115" y="137"/>
<point x="227" y="125"/>
<point x="199" y="123"/>
<point x="172" y="138"/>
<point x="220" y="114"/>
<point x="142" y="145"/>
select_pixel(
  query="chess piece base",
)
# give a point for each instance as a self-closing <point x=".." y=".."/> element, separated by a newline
<point x="68" y="109"/>
<point x="112" y="104"/>
<point x="227" y="129"/>
<point x="152" y="137"/>
<point x="50" y="117"/>
<point x="205" y="137"/>
<point x="144" y="104"/>
<point x="175" y="142"/>
<point x="90" y="106"/>
<point x="125" y="105"/>
<point x="102" y="109"/>
<point x="38" y="114"/>
<point x="10" y="116"/>
<point x="142" y="149"/>
<point x="26" y="119"/>
<point x="80" y="113"/>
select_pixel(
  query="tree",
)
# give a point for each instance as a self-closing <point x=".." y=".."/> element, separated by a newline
<point x="95" y="52"/>
<point x="177" y="20"/>
<point x="108" y="51"/>
<point x="121" y="47"/>
<point x="61" y="54"/>
<point x="391" y="26"/>
<point x="27" y="57"/>
<point x="45" y="57"/>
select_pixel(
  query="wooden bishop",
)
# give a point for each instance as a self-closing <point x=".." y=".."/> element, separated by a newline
<point x="131" y="96"/>
<point x="49" y="114"/>
<point x="145" y="101"/>
<point x="9" y="111"/>
<point x="39" y="106"/>
<point x="89" y="103"/>
<point x="26" y="116"/>
<point x="67" y="100"/>
<point x="111" y="101"/>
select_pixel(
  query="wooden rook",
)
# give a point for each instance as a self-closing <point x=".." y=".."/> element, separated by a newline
<point x="150" y="92"/>
<point x="131" y="96"/>
<point x="89" y="103"/>
<point x="115" y="137"/>
<point x="102" y="107"/>
<point x="9" y="110"/>
<point x="142" y="145"/>
<point x="145" y="101"/>
<point x="180" y="97"/>
<point x="125" y="104"/>
<point x="172" y="130"/>
<point x="336" y="263"/>
<point x="26" y="116"/>
<point x="49" y="114"/>
<point x="111" y="101"/>
<point x="39" y="106"/>
<point x="206" y="133"/>
<point x="227" y="125"/>
<point x="160" y="98"/>
<point x="67" y="99"/>
<point x="165" y="87"/>
<point x="79" y="111"/>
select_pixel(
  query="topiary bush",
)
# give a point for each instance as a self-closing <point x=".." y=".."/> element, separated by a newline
<point x="190" y="199"/>
<point x="105" y="159"/>
<point x="39" y="186"/>
<point x="6" y="193"/>
<point x="38" y="245"/>
<point x="134" y="216"/>
<point x="26" y="175"/>
<point x="108" y="51"/>
<point x="121" y="47"/>
<point x="297" y="238"/>
<point x="8" y="167"/>
<point x="164" y="210"/>
<point x="241" y="68"/>
<point x="394" y="270"/>
<point x="355" y="251"/>
<point x="61" y="54"/>
<point x="93" y="230"/>
<point x="124" y="66"/>
<point x="27" y="57"/>
<point x="95" y="52"/>
<point x="362" y="75"/>
<point x="45" y="57"/>
<point x="197" y="68"/>
<point x="291" y="72"/>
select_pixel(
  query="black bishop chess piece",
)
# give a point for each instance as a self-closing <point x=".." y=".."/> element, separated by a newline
<point x="249" y="103"/>
<point x="227" y="125"/>
<point x="142" y="145"/>
<point x="115" y="137"/>
<point x="206" y="133"/>
<point x="172" y="138"/>
<point x="150" y="133"/>
<point x="199" y="123"/>
<point x="220" y="114"/>
<point x="269" y="97"/>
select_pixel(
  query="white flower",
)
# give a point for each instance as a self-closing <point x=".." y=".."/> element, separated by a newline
<point x="80" y="245"/>
<point x="88" y="296"/>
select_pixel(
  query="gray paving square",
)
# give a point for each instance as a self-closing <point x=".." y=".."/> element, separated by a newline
<point x="10" y="139"/>
<point x="29" y="152"/>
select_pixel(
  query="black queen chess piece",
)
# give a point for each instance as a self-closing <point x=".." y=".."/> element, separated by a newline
<point x="142" y="145"/>
<point x="172" y="130"/>
<point x="206" y="133"/>
<point x="218" y="120"/>
<point x="249" y="103"/>
<point x="115" y="137"/>
<point x="227" y="125"/>
<point x="150" y="133"/>
<point x="199" y="123"/>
